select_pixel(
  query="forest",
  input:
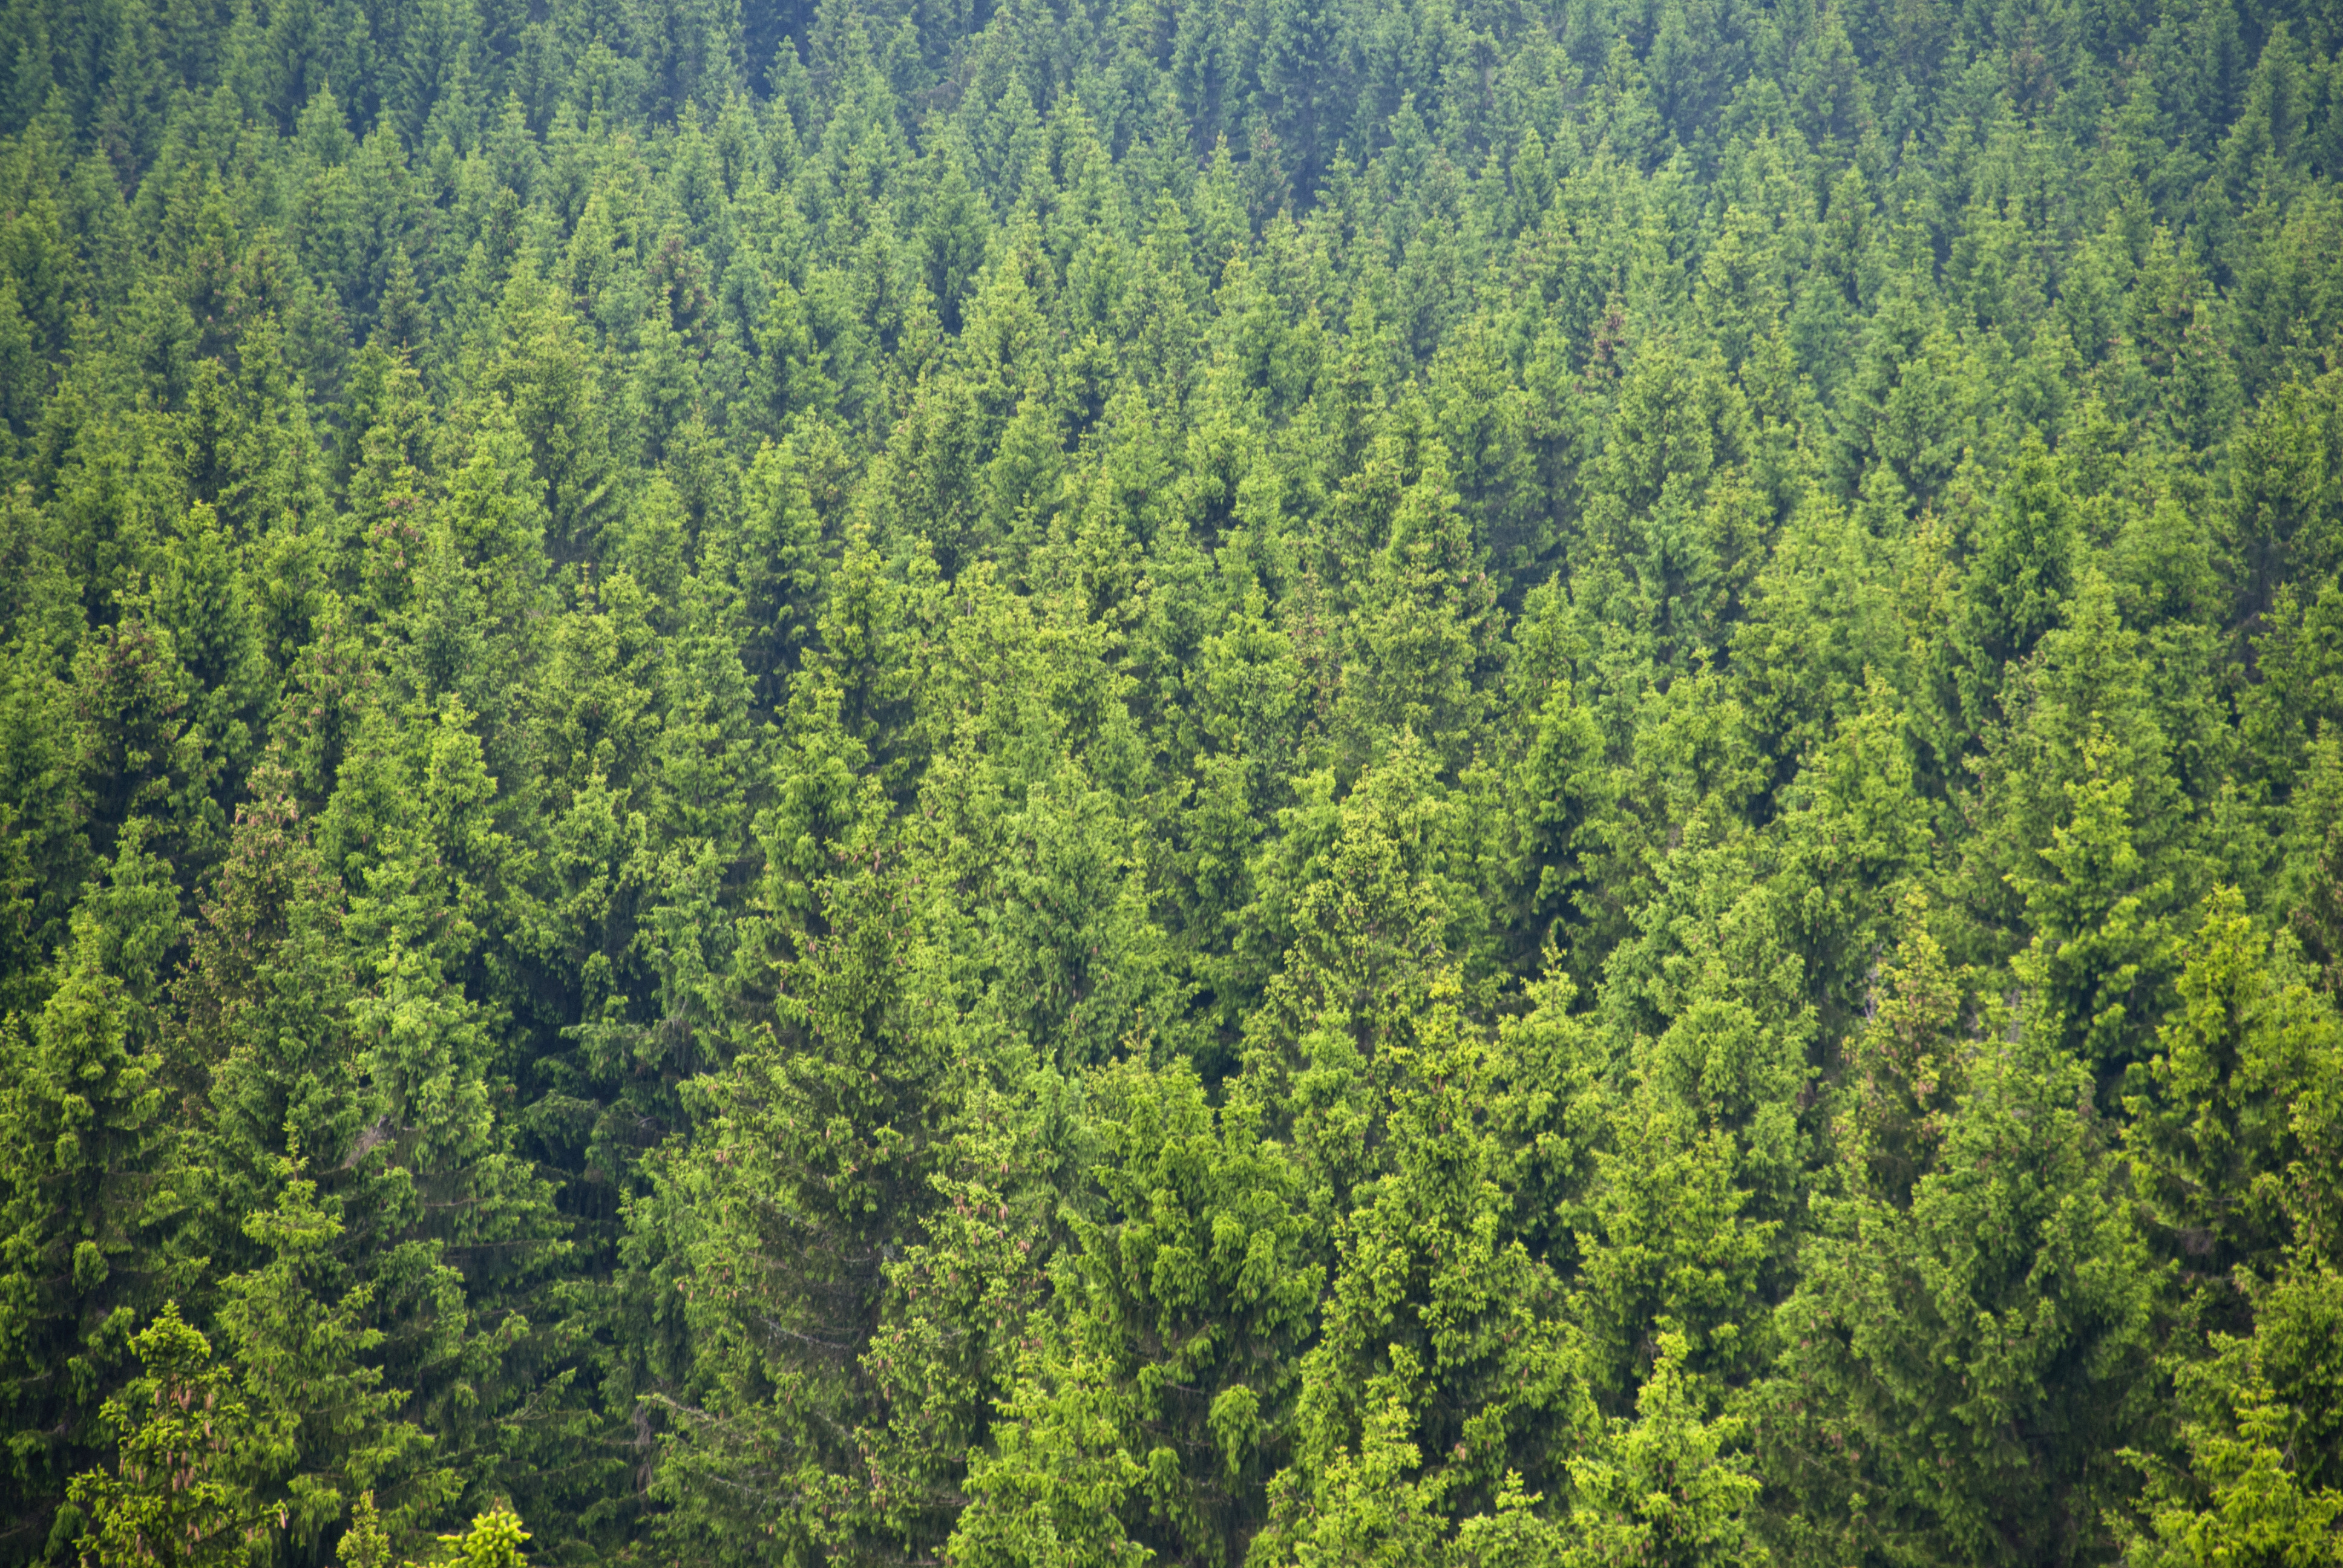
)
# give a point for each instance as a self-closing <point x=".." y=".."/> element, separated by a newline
<point x="1243" y="783"/>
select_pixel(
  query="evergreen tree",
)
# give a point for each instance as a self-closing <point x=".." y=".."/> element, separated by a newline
<point x="88" y="1185"/>
<point x="1277" y="782"/>
<point x="171" y="1498"/>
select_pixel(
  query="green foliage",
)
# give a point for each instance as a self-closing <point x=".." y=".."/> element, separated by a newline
<point x="1931" y="1341"/>
<point x="494" y="1540"/>
<point x="171" y="1498"/>
<point x="852" y="783"/>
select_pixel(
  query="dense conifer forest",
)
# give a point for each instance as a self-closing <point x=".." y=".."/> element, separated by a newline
<point x="1221" y="782"/>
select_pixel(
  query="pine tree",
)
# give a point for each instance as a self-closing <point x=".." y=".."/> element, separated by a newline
<point x="1440" y="1339"/>
<point x="2018" y="585"/>
<point x="1159" y="1399"/>
<point x="172" y="1499"/>
<point x="321" y="1431"/>
<point x="1407" y="783"/>
<point x="1932" y="1334"/>
<point x="87" y="1176"/>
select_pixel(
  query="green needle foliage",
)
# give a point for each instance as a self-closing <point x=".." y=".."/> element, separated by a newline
<point x="854" y="782"/>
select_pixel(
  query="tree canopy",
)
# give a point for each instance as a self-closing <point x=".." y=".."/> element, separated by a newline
<point x="1104" y="782"/>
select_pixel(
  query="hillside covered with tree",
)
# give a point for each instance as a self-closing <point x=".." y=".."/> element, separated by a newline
<point x="1097" y="782"/>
